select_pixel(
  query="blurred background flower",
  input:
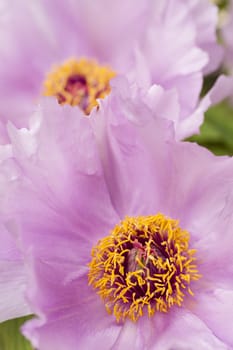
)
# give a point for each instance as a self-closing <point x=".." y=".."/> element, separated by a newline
<point x="173" y="48"/>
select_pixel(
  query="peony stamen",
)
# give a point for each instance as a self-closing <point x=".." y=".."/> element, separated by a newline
<point x="144" y="265"/>
<point x="79" y="83"/>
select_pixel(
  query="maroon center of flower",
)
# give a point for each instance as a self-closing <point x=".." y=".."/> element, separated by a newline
<point x="77" y="87"/>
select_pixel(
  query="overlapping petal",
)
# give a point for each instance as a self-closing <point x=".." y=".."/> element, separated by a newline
<point x="112" y="166"/>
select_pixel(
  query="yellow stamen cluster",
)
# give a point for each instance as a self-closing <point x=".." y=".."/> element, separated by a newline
<point x="79" y="83"/>
<point x="145" y="264"/>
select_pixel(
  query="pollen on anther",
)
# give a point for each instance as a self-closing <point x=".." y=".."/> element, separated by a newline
<point x="143" y="266"/>
<point x="79" y="83"/>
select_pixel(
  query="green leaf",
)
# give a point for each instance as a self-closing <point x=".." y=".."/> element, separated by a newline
<point x="216" y="133"/>
<point x="10" y="336"/>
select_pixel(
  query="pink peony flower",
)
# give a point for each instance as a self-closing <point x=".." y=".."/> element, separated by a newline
<point x="15" y="262"/>
<point x="127" y="234"/>
<point x="49" y="47"/>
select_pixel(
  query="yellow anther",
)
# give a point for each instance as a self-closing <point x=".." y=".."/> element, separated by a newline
<point x="144" y="265"/>
<point x="79" y="83"/>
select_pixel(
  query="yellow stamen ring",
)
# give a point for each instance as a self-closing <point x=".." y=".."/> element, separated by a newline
<point x="79" y="83"/>
<point x="145" y="264"/>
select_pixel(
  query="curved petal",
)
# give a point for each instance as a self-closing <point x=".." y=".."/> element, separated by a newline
<point x="110" y="29"/>
<point x="205" y="15"/>
<point x="216" y="310"/>
<point x="23" y="58"/>
<point x="13" y="279"/>
<point x="187" y="331"/>
<point x="201" y="198"/>
<point x="80" y="319"/>
<point x="170" y="47"/>
<point x="61" y="174"/>
<point x="127" y="337"/>
<point x="125" y="130"/>
<point x="191" y="192"/>
<point x="221" y="90"/>
<point x="143" y="334"/>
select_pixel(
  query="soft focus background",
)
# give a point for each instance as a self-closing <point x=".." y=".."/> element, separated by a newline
<point x="216" y="135"/>
<point x="10" y="337"/>
<point x="217" y="130"/>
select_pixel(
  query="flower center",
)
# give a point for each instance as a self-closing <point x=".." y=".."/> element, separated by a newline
<point x="79" y="83"/>
<point x="144" y="265"/>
